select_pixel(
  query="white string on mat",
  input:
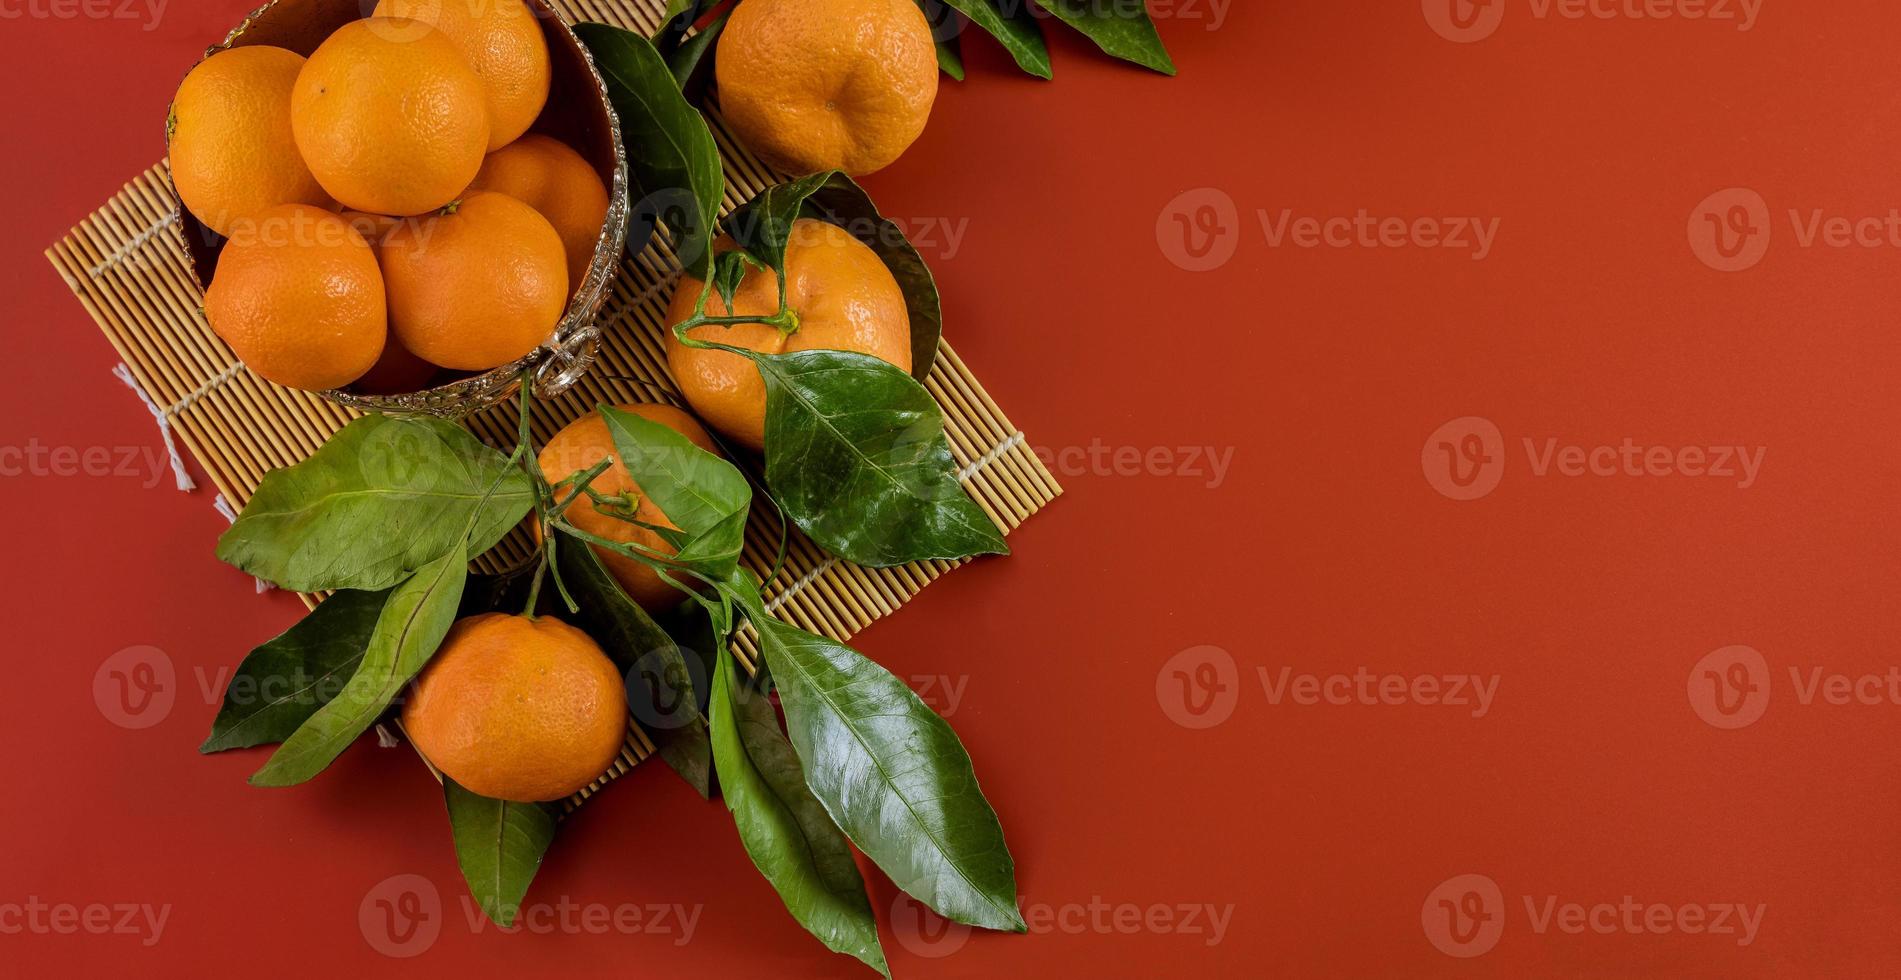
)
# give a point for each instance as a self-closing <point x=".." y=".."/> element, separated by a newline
<point x="179" y="472"/>
<point x="138" y="241"/>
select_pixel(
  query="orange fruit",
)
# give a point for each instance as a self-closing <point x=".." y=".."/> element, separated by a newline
<point x="390" y="117"/>
<point x="477" y="286"/>
<point x="546" y="175"/>
<point x="229" y="135"/>
<point x="503" y="43"/>
<point x="585" y="442"/>
<point x="298" y="296"/>
<point x="845" y="298"/>
<point x="373" y="227"/>
<point x="815" y="85"/>
<point x="518" y="709"/>
<point x="398" y="371"/>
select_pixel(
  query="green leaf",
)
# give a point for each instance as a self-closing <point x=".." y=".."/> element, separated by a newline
<point x="763" y="227"/>
<point x="692" y="63"/>
<point x="1120" y="28"/>
<point x="950" y="59"/>
<point x="945" y="30"/>
<point x="499" y="845"/>
<point x="675" y="165"/>
<point x="890" y="772"/>
<point x="729" y="270"/>
<point x="408" y="632"/>
<point x="1015" y="28"/>
<point x="705" y="495"/>
<point x="282" y="683"/>
<point x="381" y="499"/>
<point x="786" y="831"/>
<point x="666" y="703"/>
<point x="857" y="457"/>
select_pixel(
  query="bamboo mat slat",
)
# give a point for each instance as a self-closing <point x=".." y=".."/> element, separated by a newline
<point x="127" y="265"/>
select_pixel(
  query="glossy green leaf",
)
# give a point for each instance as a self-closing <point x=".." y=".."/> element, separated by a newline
<point x="381" y="499"/>
<point x="692" y="63"/>
<point x="285" y="681"/>
<point x="763" y="227"/>
<point x="785" y="830"/>
<point x="408" y="632"/>
<point x="660" y="690"/>
<point x="674" y="165"/>
<point x="950" y="59"/>
<point x="945" y="27"/>
<point x="705" y="495"/>
<point x="856" y="455"/>
<point x="1014" y="26"/>
<point x="1119" y="27"/>
<point x="729" y="270"/>
<point x="499" y="845"/>
<point x="889" y="771"/>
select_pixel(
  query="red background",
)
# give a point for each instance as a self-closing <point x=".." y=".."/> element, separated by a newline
<point x="1324" y="827"/>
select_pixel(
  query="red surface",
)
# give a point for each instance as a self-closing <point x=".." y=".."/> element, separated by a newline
<point x="1320" y="830"/>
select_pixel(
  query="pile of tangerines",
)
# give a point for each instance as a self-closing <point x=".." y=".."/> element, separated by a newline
<point x="391" y="214"/>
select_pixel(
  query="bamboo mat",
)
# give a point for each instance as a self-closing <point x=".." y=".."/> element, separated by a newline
<point x="127" y="264"/>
